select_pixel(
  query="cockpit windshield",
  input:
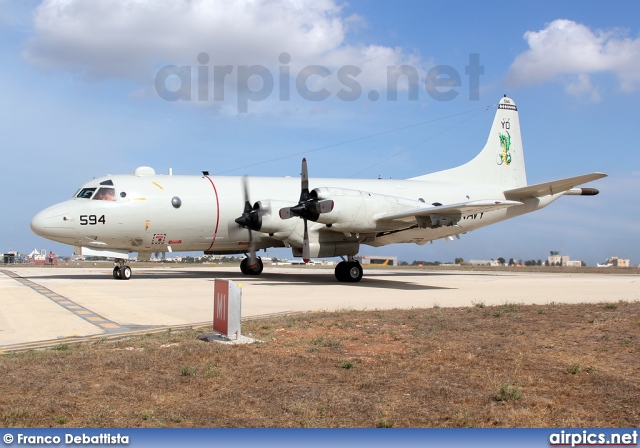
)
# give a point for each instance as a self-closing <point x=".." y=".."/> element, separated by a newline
<point x="105" y="194"/>
<point x="85" y="193"/>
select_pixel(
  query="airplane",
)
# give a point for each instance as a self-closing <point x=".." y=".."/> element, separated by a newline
<point x="116" y="215"/>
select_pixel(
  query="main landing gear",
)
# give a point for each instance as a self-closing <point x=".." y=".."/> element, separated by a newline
<point x="349" y="271"/>
<point x="256" y="269"/>
<point x="121" y="271"/>
<point x="346" y="271"/>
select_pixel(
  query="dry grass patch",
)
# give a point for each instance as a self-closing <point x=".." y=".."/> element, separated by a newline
<point x="482" y="366"/>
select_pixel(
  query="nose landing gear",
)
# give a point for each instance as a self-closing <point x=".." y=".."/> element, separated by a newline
<point x="121" y="271"/>
<point x="256" y="269"/>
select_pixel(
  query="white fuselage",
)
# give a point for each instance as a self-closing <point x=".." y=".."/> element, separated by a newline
<point x="143" y="219"/>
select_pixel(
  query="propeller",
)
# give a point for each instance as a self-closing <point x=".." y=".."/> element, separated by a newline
<point x="250" y="220"/>
<point x="309" y="208"/>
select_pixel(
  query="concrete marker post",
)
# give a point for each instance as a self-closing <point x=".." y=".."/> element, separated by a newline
<point x="227" y="304"/>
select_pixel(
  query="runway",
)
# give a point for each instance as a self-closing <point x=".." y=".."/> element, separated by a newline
<point x="43" y="307"/>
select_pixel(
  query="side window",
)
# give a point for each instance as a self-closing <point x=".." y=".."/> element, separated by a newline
<point x="105" y="194"/>
<point x="85" y="193"/>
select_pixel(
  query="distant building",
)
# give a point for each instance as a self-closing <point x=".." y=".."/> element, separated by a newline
<point x="555" y="259"/>
<point x="620" y="262"/>
<point x="574" y="263"/>
<point x="38" y="255"/>
<point x="377" y="260"/>
<point x="484" y="263"/>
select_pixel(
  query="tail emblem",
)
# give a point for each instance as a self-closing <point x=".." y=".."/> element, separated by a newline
<point x="505" y="143"/>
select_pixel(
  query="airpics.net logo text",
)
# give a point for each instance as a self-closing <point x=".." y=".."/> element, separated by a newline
<point x="590" y="438"/>
<point x="255" y="83"/>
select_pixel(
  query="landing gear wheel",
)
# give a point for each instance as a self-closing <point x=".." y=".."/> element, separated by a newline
<point x="349" y="271"/>
<point x="340" y="271"/>
<point x="253" y="270"/>
<point x="125" y="273"/>
<point x="117" y="273"/>
<point x="354" y="271"/>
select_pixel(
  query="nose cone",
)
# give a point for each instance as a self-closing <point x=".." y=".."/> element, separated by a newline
<point x="38" y="223"/>
<point x="55" y="223"/>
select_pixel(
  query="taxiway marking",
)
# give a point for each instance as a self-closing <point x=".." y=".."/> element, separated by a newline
<point x="68" y="304"/>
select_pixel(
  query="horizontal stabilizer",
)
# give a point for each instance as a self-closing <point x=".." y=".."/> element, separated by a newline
<point x="550" y="188"/>
<point x="462" y="208"/>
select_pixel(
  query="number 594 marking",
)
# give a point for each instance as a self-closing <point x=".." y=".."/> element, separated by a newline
<point x="91" y="220"/>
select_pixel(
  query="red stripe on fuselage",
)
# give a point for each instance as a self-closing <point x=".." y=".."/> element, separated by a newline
<point x="215" y="233"/>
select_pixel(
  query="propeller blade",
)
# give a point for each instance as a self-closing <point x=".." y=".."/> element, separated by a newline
<point x="306" y="252"/>
<point x="324" y="206"/>
<point x="285" y="213"/>
<point x="245" y="187"/>
<point x="308" y="208"/>
<point x="304" y="182"/>
<point x="246" y="221"/>
<point x="251" y="217"/>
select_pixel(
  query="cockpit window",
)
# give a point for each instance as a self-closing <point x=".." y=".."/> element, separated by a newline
<point x="85" y="193"/>
<point x="105" y="194"/>
<point x="107" y="182"/>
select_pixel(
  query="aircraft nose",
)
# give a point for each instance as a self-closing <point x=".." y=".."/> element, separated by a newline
<point x="54" y="223"/>
<point x="38" y="223"/>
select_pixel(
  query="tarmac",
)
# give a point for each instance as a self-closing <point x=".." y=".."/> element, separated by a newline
<point x="43" y="307"/>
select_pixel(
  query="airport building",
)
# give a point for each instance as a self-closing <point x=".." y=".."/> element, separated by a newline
<point x="377" y="260"/>
<point x="555" y="259"/>
<point x="493" y="263"/>
<point x="620" y="262"/>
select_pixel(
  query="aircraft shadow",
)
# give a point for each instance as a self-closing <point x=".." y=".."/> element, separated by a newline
<point x="267" y="279"/>
<point x="368" y="281"/>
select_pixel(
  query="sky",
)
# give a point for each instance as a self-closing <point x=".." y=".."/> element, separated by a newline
<point x="249" y="88"/>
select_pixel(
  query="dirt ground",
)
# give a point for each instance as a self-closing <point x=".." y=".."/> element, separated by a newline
<point x="483" y="366"/>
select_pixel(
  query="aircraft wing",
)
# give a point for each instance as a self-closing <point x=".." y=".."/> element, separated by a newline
<point x="459" y="209"/>
<point x="549" y="188"/>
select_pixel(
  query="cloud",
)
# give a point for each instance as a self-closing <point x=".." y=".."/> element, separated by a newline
<point x="571" y="53"/>
<point x="133" y="39"/>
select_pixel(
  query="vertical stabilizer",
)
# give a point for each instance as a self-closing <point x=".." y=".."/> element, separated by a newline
<point x="501" y="162"/>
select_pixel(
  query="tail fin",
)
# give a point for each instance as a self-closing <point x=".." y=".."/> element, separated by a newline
<point x="501" y="162"/>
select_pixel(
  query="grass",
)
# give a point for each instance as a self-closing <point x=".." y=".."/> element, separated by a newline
<point x="189" y="371"/>
<point x="573" y="369"/>
<point x="512" y="365"/>
<point x="508" y="392"/>
<point x="61" y="347"/>
<point x="348" y="364"/>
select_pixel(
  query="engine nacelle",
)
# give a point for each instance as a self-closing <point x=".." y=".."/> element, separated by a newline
<point x="357" y="210"/>
<point x="329" y="249"/>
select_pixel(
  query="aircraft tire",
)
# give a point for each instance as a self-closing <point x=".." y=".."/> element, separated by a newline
<point x="349" y="271"/>
<point x="353" y="272"/>
<point x="125" y="273"/>
<point x="340" y="271"/>
<point x="257" y="270"/>
<point x="117" y="273"/>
